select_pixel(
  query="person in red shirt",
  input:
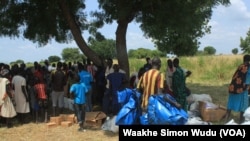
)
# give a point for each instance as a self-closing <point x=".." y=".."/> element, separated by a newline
<point x="41" y="97"/>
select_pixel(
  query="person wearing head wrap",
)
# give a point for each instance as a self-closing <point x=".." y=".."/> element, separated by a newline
<point x="238" y="90"/>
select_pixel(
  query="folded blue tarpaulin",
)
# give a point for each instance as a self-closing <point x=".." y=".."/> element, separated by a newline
<point x="159" y="111"/>
<point x="130" y="112"/>
<point x="162" y="112"/>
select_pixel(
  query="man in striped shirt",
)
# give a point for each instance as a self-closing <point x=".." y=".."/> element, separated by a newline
<point x="152" y="82"/>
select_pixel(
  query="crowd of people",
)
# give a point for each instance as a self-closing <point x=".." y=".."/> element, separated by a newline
<point x="31" y="91"/>
<point x="150" y="80"/>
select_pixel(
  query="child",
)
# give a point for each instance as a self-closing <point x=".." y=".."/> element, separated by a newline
<point x="78" y="91"/>
<point x="41" y="97"/>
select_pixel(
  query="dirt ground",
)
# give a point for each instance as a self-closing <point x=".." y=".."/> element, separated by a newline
<point x="32" y="131"/>
<point x="40" y="132"/>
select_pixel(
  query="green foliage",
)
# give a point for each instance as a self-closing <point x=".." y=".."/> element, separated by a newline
<point x="177" y="33"/>
<point x="104" y="48"/>
<point x="209" y="50"/>
<point x="235" y="51"/>
<point x="17" y="62"/>
<point x="41" y="21"/>
<point x="132" y="53"/>
<point x="38" y="20"/>
<point x="72" y="54"/>
<point x="143" y="53"/>
<point x="201" y="61"/>
<point x="139" y="53"/>
<point x="206" y="70"/>
<point x="54" y="58"/>
<point x="245" y="43"/>
<point x="157" y="53"/>
<point x="200" y="53"/>
<point x="136" y="64"/>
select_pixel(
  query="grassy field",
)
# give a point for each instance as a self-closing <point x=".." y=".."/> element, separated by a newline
<point x="210" y="75"/>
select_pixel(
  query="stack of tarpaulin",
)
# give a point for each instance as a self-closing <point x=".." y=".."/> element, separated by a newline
<point x="159" y="111"/>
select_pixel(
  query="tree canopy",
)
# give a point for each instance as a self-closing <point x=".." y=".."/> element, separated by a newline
<point x="144" y="53"/>
<point x="235" y="50"/>
<point x="72" y="54"/>
<point x="174" y="25"/>
<point x="177" y="25"/>
<point x="54" y="58"/>
<point x="245" y="43"/>
<point x="209" y="50"/>
<point x="105" y="48"/>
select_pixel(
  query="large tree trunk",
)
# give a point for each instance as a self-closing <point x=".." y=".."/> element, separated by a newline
<point x="121" y="46"/>
<point x="76" y="32"/>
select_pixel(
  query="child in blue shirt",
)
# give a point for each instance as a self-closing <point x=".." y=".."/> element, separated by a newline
<point x="78" y="91"/>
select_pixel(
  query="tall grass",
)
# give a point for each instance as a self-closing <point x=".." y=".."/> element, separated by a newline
<point x="210" y="74"/>
<point x="208" y="70"/>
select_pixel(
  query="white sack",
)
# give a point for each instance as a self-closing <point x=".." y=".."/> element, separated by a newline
<point x="109" y="125"/>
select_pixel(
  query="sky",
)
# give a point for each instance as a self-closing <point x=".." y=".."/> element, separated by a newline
<point x="229" y="24"/>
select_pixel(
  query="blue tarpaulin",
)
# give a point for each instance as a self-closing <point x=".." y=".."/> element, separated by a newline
<point x="130" y="112"/>
<point x="159" y="111"/>
<point x="162" y="112"/>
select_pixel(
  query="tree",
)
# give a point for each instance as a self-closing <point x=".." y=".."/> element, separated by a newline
<point x="54" y="58"/>
<point x="235" y="51"/>
<point x="105" y="48"/>
<point x="72" y="54"/>
<point x="132" y="53"/>
<point x="143" y="53"/>
<point x="42" y="20"/>
<point x="179" y="33"/>
<point x="19" y="61"/>
<point x="245" y="43"/>
<point x="209" y="50"/>
<point x="156" y="19"/>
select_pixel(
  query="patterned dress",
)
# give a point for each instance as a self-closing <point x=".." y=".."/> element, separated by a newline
<point x="238" y="90"/>
<point x="179" y="87"/>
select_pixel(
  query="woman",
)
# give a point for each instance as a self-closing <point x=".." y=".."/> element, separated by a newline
<point x="7" y="109"/>
<point x="179" y="85"/>
<point x="20" y="95"/>
<point x="238" y="89"/>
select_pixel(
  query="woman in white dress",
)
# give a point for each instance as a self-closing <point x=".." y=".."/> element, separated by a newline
<point x="20" y="94"/>
<point x="7" y="109"/>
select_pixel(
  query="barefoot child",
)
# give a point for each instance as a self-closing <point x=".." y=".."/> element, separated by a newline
<point x="78" y="92"/>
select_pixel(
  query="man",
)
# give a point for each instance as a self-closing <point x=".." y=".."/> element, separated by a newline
<point x="117" y="81"/>
<point x="151" y="83"/>
<point x="58" y="81"/>
<point x="107" y="92"/>
<point x="148" y="64"/>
